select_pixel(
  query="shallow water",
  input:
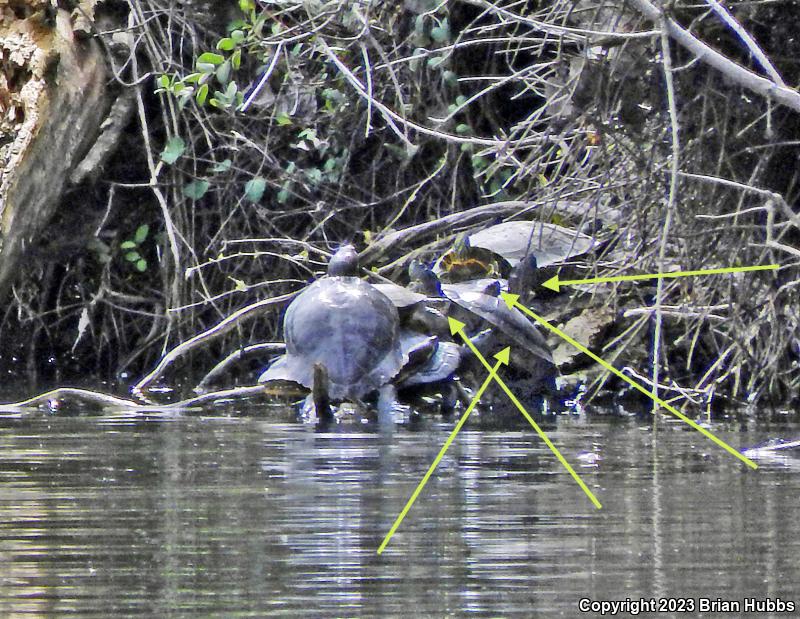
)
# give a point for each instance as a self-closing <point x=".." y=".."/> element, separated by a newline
<point x="244" y="516"/>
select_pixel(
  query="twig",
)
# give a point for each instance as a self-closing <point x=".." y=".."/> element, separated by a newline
<point x="381" y="246"/>
<point x="666" y="60"/>
<point x="392" y="117"/>
<point x="246" y="313"/>
<point x="737" y="73"/>
<point x="238" y="355"/>
<point x="254" y="93"/>
<point x="106" y="400"/>
<point x="749" y="42"/>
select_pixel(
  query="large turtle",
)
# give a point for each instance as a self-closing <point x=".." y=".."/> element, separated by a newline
<point x="342" y="337"/>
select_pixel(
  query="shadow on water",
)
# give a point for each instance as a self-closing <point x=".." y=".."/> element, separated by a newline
<point x="254" y="514"/>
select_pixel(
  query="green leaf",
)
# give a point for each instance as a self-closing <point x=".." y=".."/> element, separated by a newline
<point x="226" y="44"/>
<point x="173" y="150"/>
<point x="163" y="81"/>
<point x="441" y="33"/>
<point x="194" y="78"/>
<point x="196" y="189"/>
<point x="141" y="234"/>
<point x="314" y="175"/>
<point x="127" y="245"/>
<point x="210" y="58"/>
<point x="463" y="129"/>
<point x="435" y="61"/>
<point x="283" y="196"/>
<point x="132" y="256"/>
<point x="141" y="265"/>
<point x="206" y="67"/>
<point x="222" y="166"/>
<point x="237" y="36"/>
<point x="283" y="119"/>
<point x="255" y="188"/>
<point x="224" y="72"/>
<point x="236" y="59"/>
<point x="202" y="94"/>
<point x="247" y="5"/>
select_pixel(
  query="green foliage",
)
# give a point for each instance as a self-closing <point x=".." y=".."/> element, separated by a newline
<point x="173" y="150"/>
<point x="196" y="189"/>
<point x="212" y="81"/>
<point x="254" y="189"/>
<point x="132" y="248"/>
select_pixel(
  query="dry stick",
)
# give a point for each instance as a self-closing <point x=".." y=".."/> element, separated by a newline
<point x="237" y="355"/>
<point x="666" y="61"/>
<point x="407" y="235"/>
<point x="749" y="42"/>
<point x="246" y="313"/>
<point x="391" y="117"/>
<point x="737" y="73"/>
<point x="108" y="400"/>
<point x="61" y="392"/>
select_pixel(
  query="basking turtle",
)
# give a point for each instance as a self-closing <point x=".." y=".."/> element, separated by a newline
<point x="479" y="306"/>
<point x="425" y="334"/>
<point x="418" y="312"/>
<point x="342" y="337"/>
<point x="512" y="241"/>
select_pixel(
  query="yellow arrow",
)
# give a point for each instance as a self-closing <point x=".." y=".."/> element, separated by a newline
<point x="555" y="284"/>
<point x="512" y="300"/>
<point x="502" y="359"/>
<point x="458" y="327"/>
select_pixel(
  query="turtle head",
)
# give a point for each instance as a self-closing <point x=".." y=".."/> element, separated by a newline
<point x="344" y="263"/>
<point x="424" y="280"/>
<point x="525" y="276"/>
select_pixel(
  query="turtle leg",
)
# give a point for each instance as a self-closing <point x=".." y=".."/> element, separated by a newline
<point x="319" y="393"/>
<point x="449" y="398"/>
<point x="387" y="404"/>
<point x="462" y="394"/>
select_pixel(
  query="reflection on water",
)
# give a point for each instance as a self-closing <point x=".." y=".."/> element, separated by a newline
<point x="246" y="517"/>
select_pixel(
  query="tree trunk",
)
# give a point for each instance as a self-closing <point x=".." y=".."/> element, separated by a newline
<point x="53" y="99"/>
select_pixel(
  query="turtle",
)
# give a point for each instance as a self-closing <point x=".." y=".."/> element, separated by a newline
<point x="342" y="338"/>
<point x="512" y="241"/>
<point x="433" y="359"/>
<point x="479" y="305"/>
<point x="418" y="312"/>
<point x="501" y="251"/>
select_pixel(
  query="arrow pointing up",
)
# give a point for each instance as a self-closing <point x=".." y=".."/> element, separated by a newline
<point x="503" y="355"/>
<point x="456" y="326"/>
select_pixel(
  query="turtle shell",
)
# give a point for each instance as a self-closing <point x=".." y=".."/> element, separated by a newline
<point x="550" y="243"/>
<point x="510" y="321"/>
<point x="348" y="327"/>
<point x="442" y="363"/>
<point x="400" y="296"/>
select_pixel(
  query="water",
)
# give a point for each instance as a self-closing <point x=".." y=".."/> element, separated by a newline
<point x="247" y="516"/>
